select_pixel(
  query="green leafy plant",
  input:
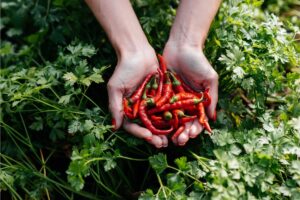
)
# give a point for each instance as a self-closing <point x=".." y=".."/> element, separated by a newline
<point x="56" y="138"/>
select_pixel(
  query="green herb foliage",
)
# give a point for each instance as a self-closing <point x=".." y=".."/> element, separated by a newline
<point x="56" y="138"/>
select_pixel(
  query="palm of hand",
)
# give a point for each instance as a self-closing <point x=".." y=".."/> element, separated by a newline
<point x="128" y="75"/>
<point x="192" y="65"/>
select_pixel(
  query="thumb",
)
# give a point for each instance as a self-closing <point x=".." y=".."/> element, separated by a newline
<point x="115" y="104"/>
<point x="214" y="98"/>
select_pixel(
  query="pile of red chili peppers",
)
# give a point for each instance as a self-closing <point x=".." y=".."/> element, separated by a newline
<point x="164" y="103"/>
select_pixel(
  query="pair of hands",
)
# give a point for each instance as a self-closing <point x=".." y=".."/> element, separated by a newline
<point x="188" y="61"/>
<point x="136" y="58"/>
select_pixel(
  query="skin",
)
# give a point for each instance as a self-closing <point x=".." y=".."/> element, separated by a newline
<point x="184" y="54"/>
<point x="136" y="58"/>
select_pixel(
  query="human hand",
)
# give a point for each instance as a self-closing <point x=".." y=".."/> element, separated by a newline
<point x="131" y="69"/>
<point x="192" y="65"/>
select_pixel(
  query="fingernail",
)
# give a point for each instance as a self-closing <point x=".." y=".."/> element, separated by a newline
<point x="182" y="144"/>
<point x="148" y="139"/>
<point x="113" y="123"/>
<point x="193" y="136"/>
<point x="215" y="116"/>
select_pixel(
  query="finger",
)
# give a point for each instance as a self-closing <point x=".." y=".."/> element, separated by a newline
<point x="195" y="129"/>
<point x="184" y="136"/>
<point x="164" y="140"/>
<point x="214" y="96"/>
<point x="115" y="103"/>
<point x="137" y="130"/>
<point x="157" y="141"/>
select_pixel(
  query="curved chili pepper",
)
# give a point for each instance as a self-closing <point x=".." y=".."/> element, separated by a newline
<point x="146" y="121"/>
<point x="129" y="115"/>
<point x="177" y="105"/>
<point x="202" y="117"/>
<point x="187" y="119"/>
<point x="126" y="105"/>
<point x="136" y="108"/>
<point x="207" y="98"/>
<point x="138" y="93"/>
<point x="147" y="87"/>
<point x="177" y="84"/>
<point x="127" y="109"/>
<point x="178" y="132"/>
<point x="155" y="118"/>
<point x="187" y="88"/>
<point x="182" y="96"/>
<point x="176" y="120"/>
<point x="162" y="124"/>
<point x="160" y="85"/>
<point x="162" y="63"/>
<point x="184" y="85"/>
<point x="167" y="90"/>
<point x="190" y="108"/>
<point x="154" y="87"/>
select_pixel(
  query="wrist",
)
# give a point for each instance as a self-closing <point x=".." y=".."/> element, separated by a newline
<point x="129" y="43"/>
<point x="181" y="40"/>
<point x="181" y="46"/>
<point x="142" y="51"/>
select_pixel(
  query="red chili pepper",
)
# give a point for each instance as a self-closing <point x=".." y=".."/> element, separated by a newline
<point x="162" y="63"/>
<point x="182" y="96"/>
<point x="154" y="87"/>
<point x="190" y="108"/>
<point x="126" y="105"/>
<point x="147" y="87"/>
<point x="177" y="84"/>
<point x="136" y="108"/>
<point x="127" y="109"/>
<point x="202" y="117"/>
<point x="167" y="93"/>
<point x="187" y="119"/>
<point x="177" y="105"/>
<point x="138" y="93"/>
<point x="176" y="120"/>
<point x="155" y="118"/>
<point x="162" y="124"/>
<point x="207" y="98"/>
<point x="160" y="85"/>
<point x="178" y="132"/>
<point x="146" y="121"/>
<point x="151" y="92"/>
<point x="187" y="88"/>
<point x="184" y="85"/>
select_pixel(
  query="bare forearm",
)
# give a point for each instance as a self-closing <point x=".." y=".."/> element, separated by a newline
<point x="120" y="23"/>
<point x="192" y="21"/>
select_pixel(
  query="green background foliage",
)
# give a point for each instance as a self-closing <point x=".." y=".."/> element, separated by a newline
<point x="56" y="138"/>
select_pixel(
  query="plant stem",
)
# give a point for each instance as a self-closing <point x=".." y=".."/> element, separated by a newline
<point x="133" y="159"/>
<point x="161" y="185"/>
